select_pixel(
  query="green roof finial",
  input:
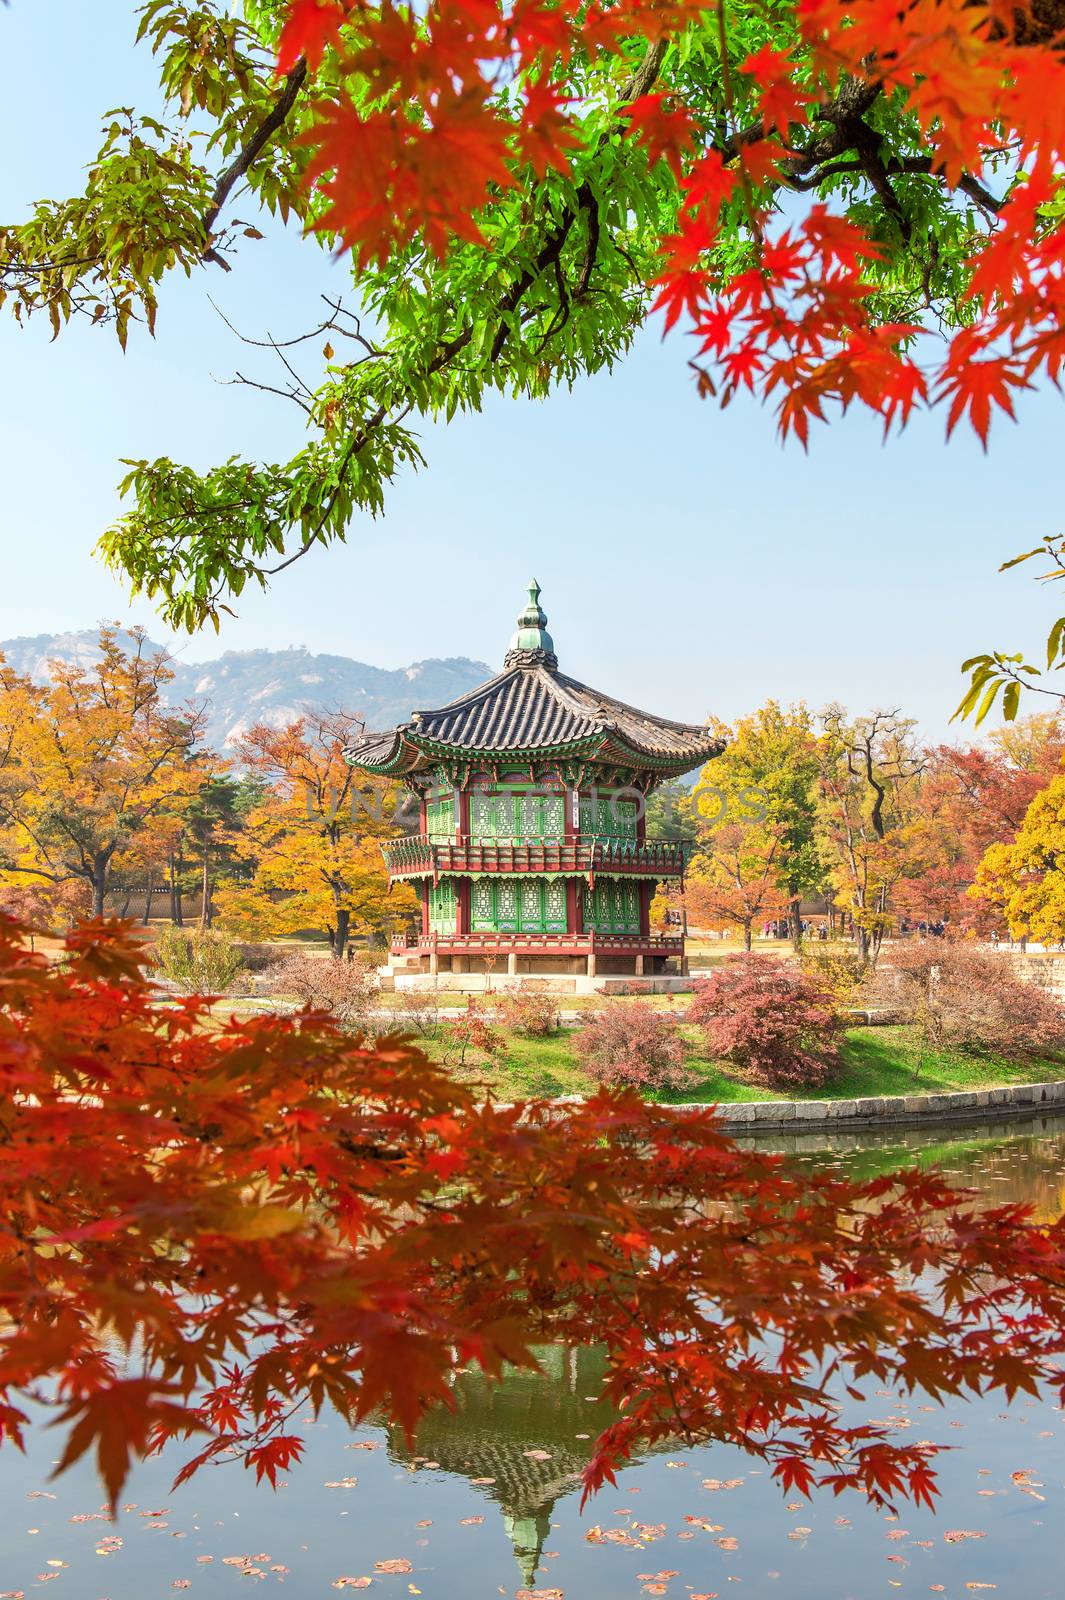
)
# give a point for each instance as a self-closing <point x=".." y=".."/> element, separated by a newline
<point x="532" y="644"/>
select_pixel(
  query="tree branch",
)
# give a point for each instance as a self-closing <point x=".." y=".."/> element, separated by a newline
<point x="248" y="152"/>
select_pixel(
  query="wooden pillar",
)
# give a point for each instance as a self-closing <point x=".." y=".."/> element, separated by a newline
<point x="462" y="906"/>
<point x="572" y="906"/>
<point x="423" y="815"/>
<point x="425" y="904"/>
<point x="512" y="964"/>
<point x="571" y="824"/>
<point x="646" y="893"/>
<point x="639" y="964"/>
<point x="591" y="963"/>
<point x="462" y="815"/>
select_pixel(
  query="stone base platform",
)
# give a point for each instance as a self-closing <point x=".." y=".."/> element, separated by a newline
<point x="406" y="980"/>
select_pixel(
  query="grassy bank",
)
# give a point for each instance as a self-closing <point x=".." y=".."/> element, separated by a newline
<point x="875" y="1061"/>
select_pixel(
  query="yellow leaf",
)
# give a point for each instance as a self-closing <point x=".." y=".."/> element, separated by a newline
<point x="261" y="1222"/>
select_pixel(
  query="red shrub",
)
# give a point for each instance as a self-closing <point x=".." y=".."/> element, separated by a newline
<point x="778" y="1023"/>
<point x="471" y="1034"/>
<point x="529" y="1013"/>
<point x="971" y="1000"/>
<point x="631" y="1044"/>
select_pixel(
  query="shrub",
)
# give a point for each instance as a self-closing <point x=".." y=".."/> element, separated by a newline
<point x="630" y="1044"/>
<point x="967" y="999"/>
<point x="200" y="962"/>
<point x="261" y="957"/>
<point x="836" y="968"/>
<point x="346" y="990"/>
<point x="532" y="1015"/>
<point x="416" y="1011"/>
<point x="775" y="1021"/>
<point x="471" y="1034"/>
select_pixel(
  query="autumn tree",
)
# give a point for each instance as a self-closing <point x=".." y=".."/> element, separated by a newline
<point x="846" y="205"/>
<point x="1025" y="877"/>
<point x="93" y="765"/>
<point x="766" y="779"/>
<point x="967" y="798"/>
<point x="869" y="772"/>
<point x="732" y="880"/>
<point x="314" y="838"/>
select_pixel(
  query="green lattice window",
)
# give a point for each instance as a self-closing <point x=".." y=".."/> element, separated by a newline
<point x="613" y="906"/>
<point x="527" y="905"/>
<point x="517" y="816"/>
<point x="442" y="905"/>
<point x="492" y="816"/>
<point x="608" y="818"/>
<point x="440" y="817"/>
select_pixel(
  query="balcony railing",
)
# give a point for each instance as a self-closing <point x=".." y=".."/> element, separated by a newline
<point x="488" y="942"/>
<point x="421" y="857"/>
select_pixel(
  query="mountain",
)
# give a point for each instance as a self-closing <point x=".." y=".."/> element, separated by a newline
<point x="242" y="687"/>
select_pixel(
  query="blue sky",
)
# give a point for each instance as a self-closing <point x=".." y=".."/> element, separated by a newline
<point x="688" y="561"/>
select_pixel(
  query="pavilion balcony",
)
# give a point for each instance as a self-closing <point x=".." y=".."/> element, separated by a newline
<point x="489" y="942"/>
<point x="422" y="857"/>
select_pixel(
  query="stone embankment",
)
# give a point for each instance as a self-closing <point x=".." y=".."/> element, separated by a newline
<point x="885" y="1112"/>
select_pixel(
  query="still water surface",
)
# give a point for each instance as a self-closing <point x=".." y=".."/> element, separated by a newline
<point x="489" y="1504"/>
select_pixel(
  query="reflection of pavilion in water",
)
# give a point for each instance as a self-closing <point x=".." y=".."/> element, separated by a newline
<point x="494" y="1426"/>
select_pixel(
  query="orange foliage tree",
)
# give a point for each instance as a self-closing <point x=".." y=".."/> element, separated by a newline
<point x="315" y="840"/>
<point x="94" y="767"/>
<point x="204" y="1229"/>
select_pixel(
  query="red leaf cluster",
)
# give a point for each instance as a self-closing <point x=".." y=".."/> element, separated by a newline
<point x="423" y="153"/>
<point x="204" y="1227"/>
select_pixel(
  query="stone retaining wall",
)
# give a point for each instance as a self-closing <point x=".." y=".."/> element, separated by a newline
<point x="890" y="1111"/>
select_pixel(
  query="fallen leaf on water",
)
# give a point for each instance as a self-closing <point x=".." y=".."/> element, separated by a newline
<point x="180" y="1583"/>
<point x="981" y="1585"/>
<point x="466" y="1522"/>
<point x="956" y="1535"/>
<point x="395" y="1564"/>
<point x="537" y="1455"/>
<point x="539" y="1594"/>
<point x="728" y="1543"/>
<point x="352" y="1583"/>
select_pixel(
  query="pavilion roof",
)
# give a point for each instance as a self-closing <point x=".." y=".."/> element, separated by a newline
<point x="534" y="710"/>
<point x="530" y="710"/>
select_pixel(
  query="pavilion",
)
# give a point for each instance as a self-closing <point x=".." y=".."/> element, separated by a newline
<point x="532" y="856"/>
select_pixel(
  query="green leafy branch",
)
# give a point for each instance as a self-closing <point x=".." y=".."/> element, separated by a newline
<point x="998" y="674"/>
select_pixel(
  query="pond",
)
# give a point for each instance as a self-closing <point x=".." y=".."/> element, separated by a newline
<point x="488" y="1503"/>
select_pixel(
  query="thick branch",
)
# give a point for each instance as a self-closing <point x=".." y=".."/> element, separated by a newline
<point x="251" y="149"/>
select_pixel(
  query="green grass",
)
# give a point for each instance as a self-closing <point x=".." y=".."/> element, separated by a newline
<point x="876" y="1061"/>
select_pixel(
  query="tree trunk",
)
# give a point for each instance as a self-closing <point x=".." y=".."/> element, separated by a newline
<point x="339" y="936"/>
<point x="795" y="919"/>
<point x="99" y="889"/>
<point x="177" y="909"/>
<point x="125" y="906"/>
<point x="148" y="901"/>
<point x="205" y="888"/>
<point x="746" y="933"/>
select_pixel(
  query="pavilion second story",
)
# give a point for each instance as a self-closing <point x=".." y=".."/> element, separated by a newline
<point x="514" y="825"/>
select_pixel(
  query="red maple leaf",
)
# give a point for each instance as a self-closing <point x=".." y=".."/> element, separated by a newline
<point x="311" y="25"/>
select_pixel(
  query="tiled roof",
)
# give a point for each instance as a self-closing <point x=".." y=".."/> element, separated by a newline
<point x="529" y="707"/>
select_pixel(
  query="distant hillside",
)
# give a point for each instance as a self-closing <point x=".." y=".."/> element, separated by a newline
<point x="274" y="686"/>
